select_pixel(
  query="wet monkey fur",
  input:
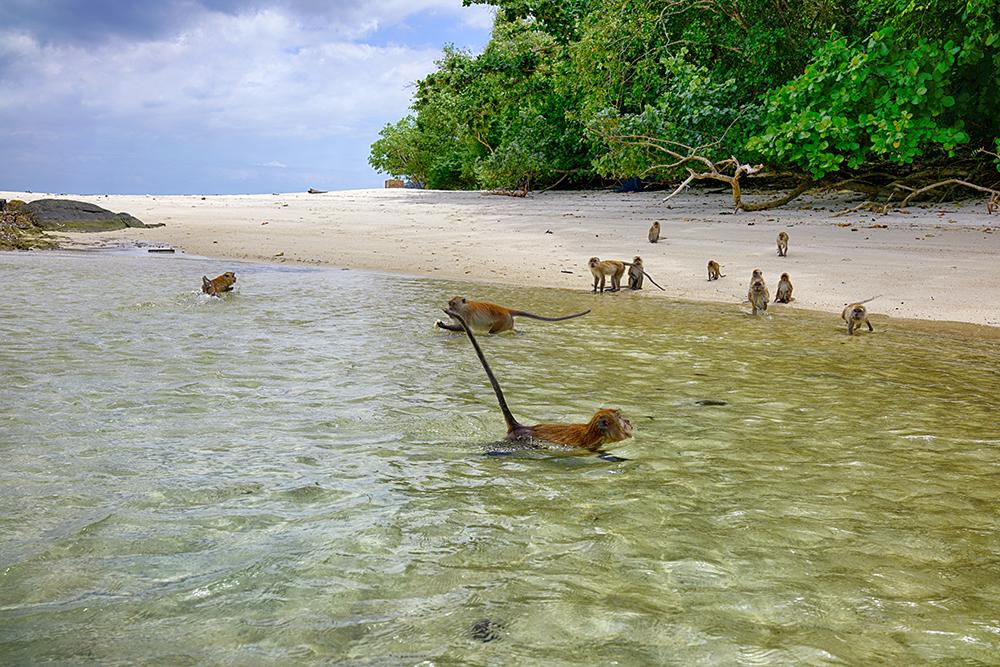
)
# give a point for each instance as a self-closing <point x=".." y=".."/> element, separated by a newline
<point x="219" y="284"/>
<point x="606" y="426"/>
<point x="486" y="316"/>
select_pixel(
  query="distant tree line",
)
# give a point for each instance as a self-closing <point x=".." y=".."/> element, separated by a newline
<point x="883" y="96"/>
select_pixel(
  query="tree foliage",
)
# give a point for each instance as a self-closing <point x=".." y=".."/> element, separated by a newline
<point x="824" y="88"/>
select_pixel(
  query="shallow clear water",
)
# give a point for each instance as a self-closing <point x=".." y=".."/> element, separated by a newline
<point x="295" y="474"/>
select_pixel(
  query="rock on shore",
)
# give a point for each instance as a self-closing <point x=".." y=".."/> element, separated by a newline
<point x="68" y="215"/>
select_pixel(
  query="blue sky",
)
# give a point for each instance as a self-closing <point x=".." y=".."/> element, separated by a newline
<point x="211" y="96"/>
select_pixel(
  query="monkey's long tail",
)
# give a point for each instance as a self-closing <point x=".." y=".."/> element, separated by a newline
<point x="508" y="417"/>
<point x="653" y="281"/>
<point x="871" y="299"/>
<point x="522" y="313"/>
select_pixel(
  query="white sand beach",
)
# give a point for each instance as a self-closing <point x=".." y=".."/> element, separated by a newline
<point x="932" y="262"/>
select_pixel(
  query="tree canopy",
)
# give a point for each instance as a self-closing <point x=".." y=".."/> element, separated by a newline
<point x="579" y="92"/>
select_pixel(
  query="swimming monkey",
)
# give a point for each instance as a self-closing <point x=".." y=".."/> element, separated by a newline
<point x="654" y="232"/>
<point x="782" y="244"/>
<point x="606" y="426"/>
<point x="855" y="315"/>
<point x="219" y="284"/>
<point x="758" y="294"/>
<point x="714" y="270"/>
<point x="784" y="293"/>
<point x="491" y="317"/>
<point x="615" y="269"/>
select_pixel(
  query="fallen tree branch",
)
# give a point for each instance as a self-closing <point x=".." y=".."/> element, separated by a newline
<point x="995" y="194"/>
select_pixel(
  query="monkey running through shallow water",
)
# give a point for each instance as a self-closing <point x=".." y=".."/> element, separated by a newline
<point x="606" y="426"/>
<point x="491" y="317"/>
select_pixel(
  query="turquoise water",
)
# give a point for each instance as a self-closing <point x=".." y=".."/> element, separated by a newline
<point x="295" y="474"/>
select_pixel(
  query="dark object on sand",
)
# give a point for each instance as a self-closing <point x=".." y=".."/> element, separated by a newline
<point x="68" y="215"/>
<point x="711" y="401"/>
<point x="634" y="184"/>
<point x="486" y="630"/>
<point x="314" y="191"/>
<point x="160" y="250"/>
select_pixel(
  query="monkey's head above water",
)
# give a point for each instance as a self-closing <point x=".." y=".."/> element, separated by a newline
<point x="456" y="303"/>
<point x="613" y="423"/>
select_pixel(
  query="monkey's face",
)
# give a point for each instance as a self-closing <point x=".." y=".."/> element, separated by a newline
<point x="858" y="313"/>
<point x="593" y="261"/>
<point x="757" y="273"/>
<point x="229" y="276"/>
<point x="784" y="276"/>
<point x="457" y="303"/>
<point x="613" y="425"/>
<point x="637" y="260"/>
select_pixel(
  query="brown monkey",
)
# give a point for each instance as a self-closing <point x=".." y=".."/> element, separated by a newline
<point x="654" y="232"/>
<point x="782" y="244"/>
<point x="635" y="273"/>
<point x="607" y="425"/>
<point x="855" y="315"/>
<point x="216" y="286"/>
<point x="784" y="294"/>
<point x="758" y="295"/>
<point x="714" y="270"/>
<point x="757" y="273"/>
<point x="491" y="317"/>
<point x="609" y="267"/>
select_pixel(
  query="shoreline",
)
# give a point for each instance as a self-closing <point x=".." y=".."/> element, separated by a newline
<point x="937" y="263"/>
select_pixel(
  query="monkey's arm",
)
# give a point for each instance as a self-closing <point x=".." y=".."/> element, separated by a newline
<point x="449" y="327"/>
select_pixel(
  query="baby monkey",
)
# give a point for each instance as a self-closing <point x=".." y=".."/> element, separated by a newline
<point x="714" y="270"/>
<point x="784" y="293"/>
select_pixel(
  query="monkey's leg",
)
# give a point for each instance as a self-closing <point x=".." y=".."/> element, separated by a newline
<point x="870" y="327"/>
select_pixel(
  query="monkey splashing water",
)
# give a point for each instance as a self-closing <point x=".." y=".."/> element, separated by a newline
<point x="606" y="426"/>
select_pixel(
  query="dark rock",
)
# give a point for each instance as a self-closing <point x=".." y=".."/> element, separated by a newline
<point x="314" y="191"/>
<point x="68" y="215"/>
<point x="17" y="232"/>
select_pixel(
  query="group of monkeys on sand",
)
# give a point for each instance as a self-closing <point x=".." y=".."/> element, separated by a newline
<point x="758" y="295"/>
<point x="607" y="425"/>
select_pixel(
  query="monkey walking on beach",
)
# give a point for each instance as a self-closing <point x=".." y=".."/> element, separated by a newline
<point x="782" y="244"/>
<point x="606" y="426"/>
<point x="714" y="270"/>
<point x="491" y="317"/>
<point x="856" y="314"/>
<point x="614" y="268"/>
<point x="784" y="292"/>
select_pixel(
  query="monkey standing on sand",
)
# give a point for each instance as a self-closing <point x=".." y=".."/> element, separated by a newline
<point x="714" y="270"/>
<point x="782" y="244"/>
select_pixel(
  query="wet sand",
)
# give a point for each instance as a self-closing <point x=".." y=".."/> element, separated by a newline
<point x="937" y="262"/>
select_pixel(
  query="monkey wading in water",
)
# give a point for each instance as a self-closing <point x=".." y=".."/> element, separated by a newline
<point x="714" y="270"/>
<point x="784" y="292"/>
<point x="855" y="315"/>
<point x="606" y="426"/>
<point x="616" y="269"/>
<point x="219" y="284"/>
<point x="758" y="294"/>
<point x="491" y="317"/>
<point x="654" y="232"/>
<point x="782" y="244"/>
